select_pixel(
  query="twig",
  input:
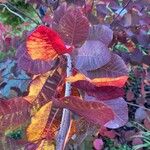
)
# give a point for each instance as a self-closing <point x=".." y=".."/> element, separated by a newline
<point x="121" y="11"/>
<point x="138" y="106"/>
<point x="65" y="122"/>
<point x="15" y="13"/>
<point x="21" y="12"/>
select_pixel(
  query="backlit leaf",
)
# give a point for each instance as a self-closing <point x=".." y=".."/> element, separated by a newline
<point x="38" y="123"/>
<point x="36" y="86"/>
<point x="95" y="112"/>
<point x="46" y="145"/>
<point x="117" y="82"/>
<point x="74" y="27"/>
<point x="47" y="87"/>
<point x="33" y="66"/>
<point x="45" y="44"/>
<point x="92" y="55"/>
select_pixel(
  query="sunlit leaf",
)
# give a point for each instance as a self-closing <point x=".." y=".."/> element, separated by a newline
<point x="45" y="44"/>
<point x="47" y="87"/>
<point x="38" y="123"/>
<point x="33" y="66"/>
<point x="13" y="113"/>
<point x="73" y="27"/>
<point x="36" y="86"/>
<point x="95" y="112"/>
<point x="117" y="82"/>
<point x="46" y="145"/>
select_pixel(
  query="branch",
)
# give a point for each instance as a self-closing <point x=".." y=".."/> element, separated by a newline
<point x="138" y="106"/>
<point x="121" y="11"/>
<point x="21" y="12"/>
<point x="15" y="13"/>
<point x="65" y="122"/>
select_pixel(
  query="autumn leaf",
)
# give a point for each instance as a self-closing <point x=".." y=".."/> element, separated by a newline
<point x="13" y="113"/>
<point x="91" y="55"/>
<point x="46" y="145"/>
<point x="117" y="82"/>
<point x="37" y="66"/>
<point x="95" y="112"/>
<point x="36" y="86"/>
<point x="44" y="87"/>
<point x="101" y="33"/>
<point x="45" y="44"/>
<point x="116" y="67"/>
<point x="38" y="123"/>
<point x="73" y="27"/>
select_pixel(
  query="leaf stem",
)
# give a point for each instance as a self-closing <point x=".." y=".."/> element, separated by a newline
<point x="65" y="122"/>
<point x="138" y="106"/>
<point x="126" y="5"/>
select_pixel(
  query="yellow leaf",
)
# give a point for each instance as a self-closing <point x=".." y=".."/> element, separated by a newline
<point x="38" y="123"/>
<point x="118" y="81"/>
<point x="46" y="145"/>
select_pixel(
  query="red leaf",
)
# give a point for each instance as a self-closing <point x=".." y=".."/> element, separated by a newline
<point x="74" y="27"/>
<point x="95" y="112"/>
<point x="13" y="112"/>
<point x="103" y="93"/>
<point x="44" y="44"/>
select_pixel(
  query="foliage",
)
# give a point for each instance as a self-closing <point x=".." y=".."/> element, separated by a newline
<point x="89" y="57"/>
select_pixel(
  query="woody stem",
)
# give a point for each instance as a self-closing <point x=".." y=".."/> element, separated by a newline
<point x="66" y="117"/>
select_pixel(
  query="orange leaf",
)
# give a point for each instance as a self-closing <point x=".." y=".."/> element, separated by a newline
<point x="36" y="87"/>
<point x="46" y="145"/>
<point x="118" y="81"/>
<point x="38" y="123"/>
<point x="45" y="44"/>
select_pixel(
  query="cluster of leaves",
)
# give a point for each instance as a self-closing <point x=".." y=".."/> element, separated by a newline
<point x="102" y="51"/>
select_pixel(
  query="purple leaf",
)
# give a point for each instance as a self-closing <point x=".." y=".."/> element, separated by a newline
<point x="120" y="108"/>
<point x="58" y="14"/>
<point x="92" y="55"/>
<point x="74" y="27"/>
<point x="101" y="33"/>
<point x="115" y="68"/>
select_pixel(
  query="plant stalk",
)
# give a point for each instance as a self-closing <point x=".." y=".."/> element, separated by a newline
<point x="66" y="117"/>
